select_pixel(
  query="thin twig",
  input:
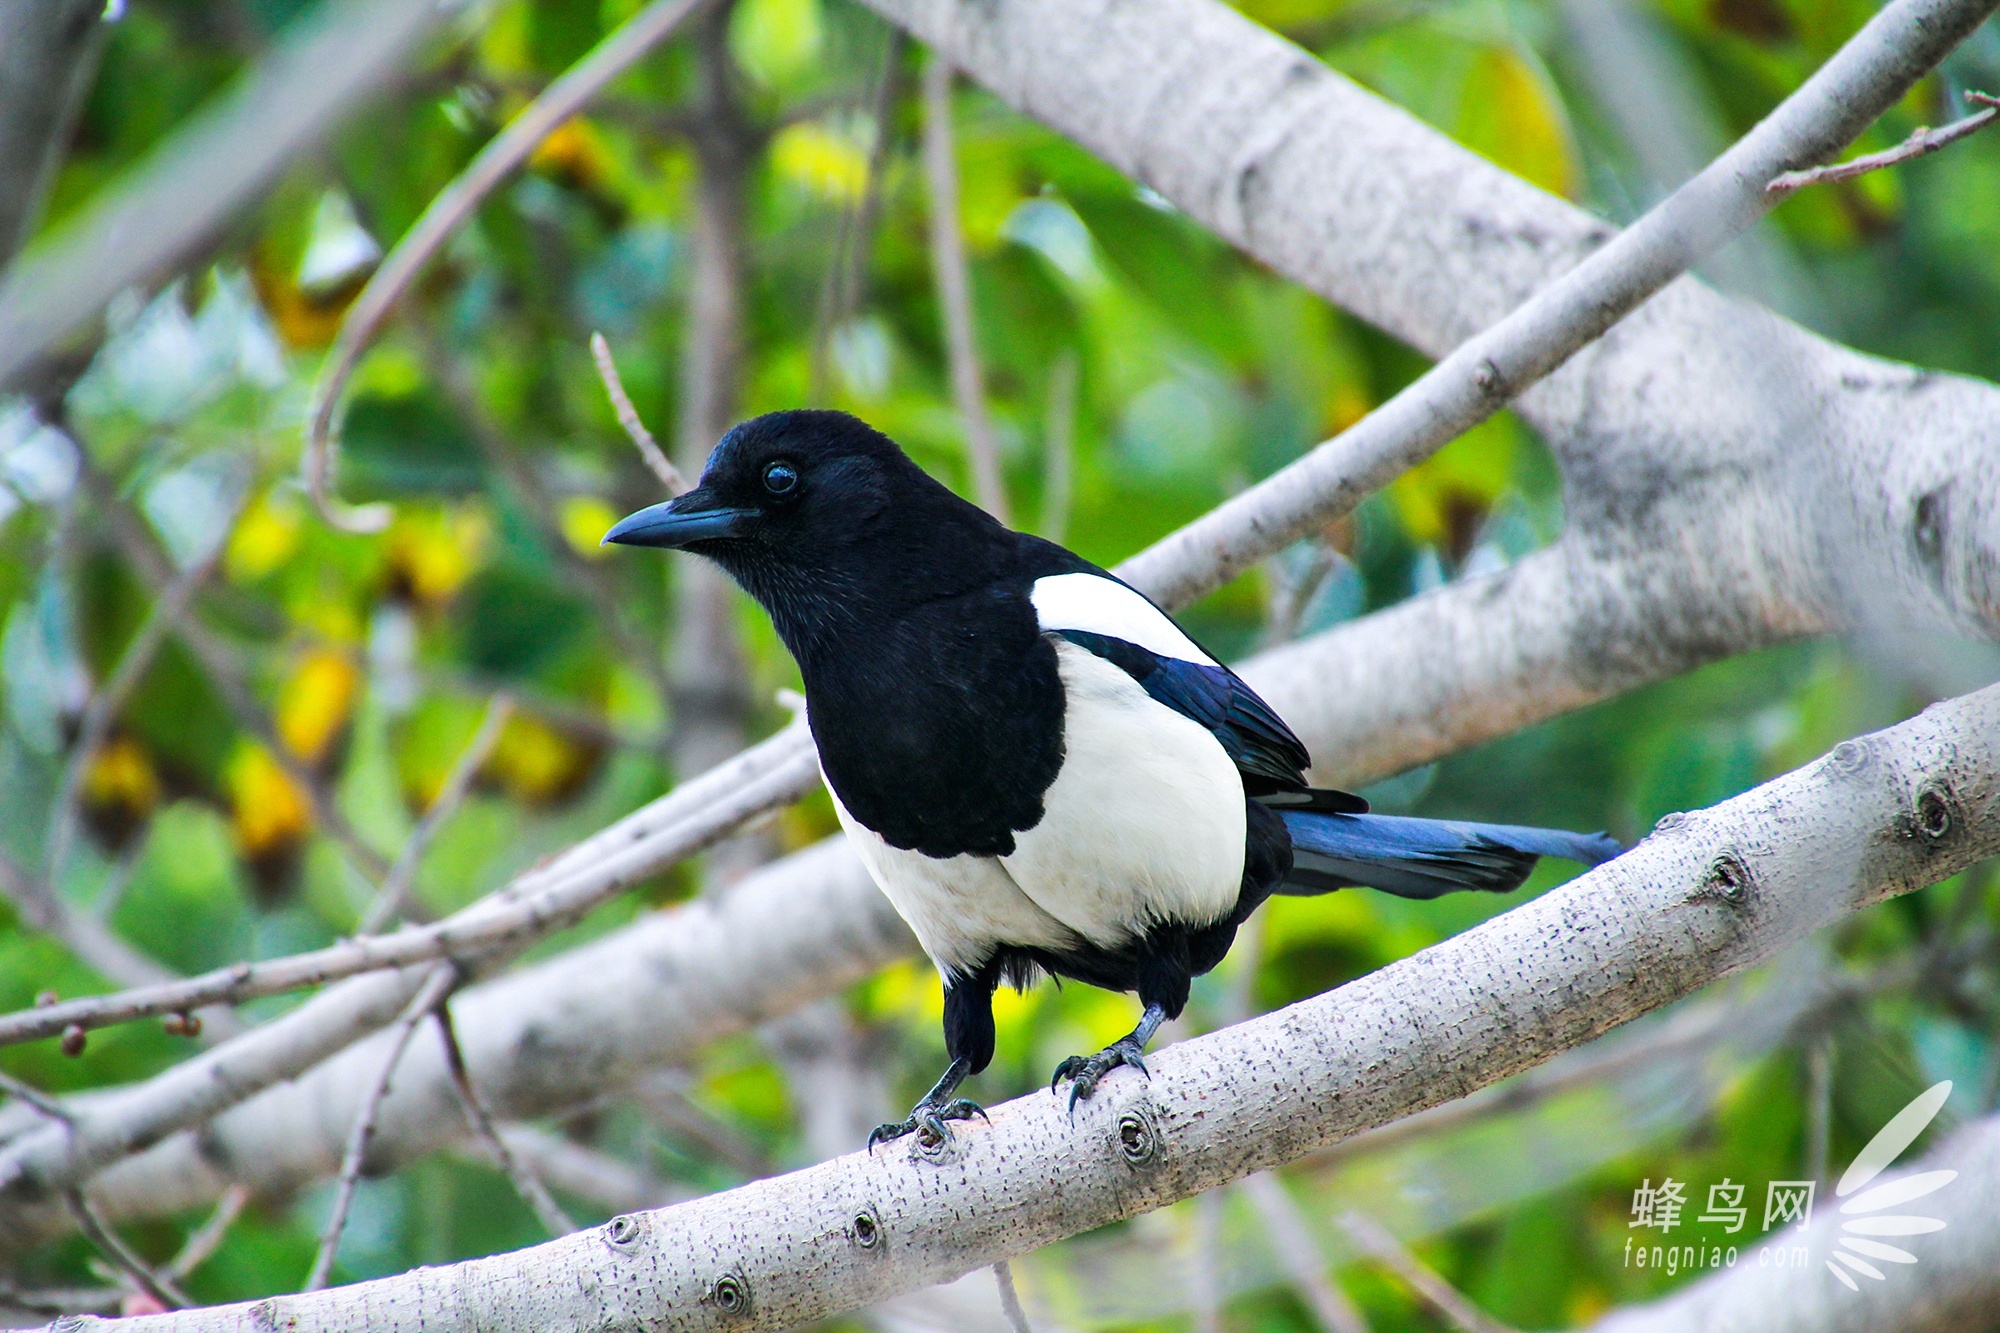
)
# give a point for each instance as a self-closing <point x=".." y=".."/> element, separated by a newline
<point x="1299" y="1250"/>
<point x="1010" y="1299"/>
<point x="771" y="773"/>
<point x="35" y="1097"/>
<point x="157" y="1285"/>
<point x="1819" y="1104"/>
<point x="165" y="614"/>
<point x="396" y="884"/>
<point x="1922" y="142"/>
<point x="954" y="289"/>
<point x="1059" y="447"/>
<point x="526" y="1183"/>
<point x="656" y="460"/>
<point x="229" y="676"/>
<point x="1376" y="1240"/>
<point x="443" y="980"/>
<point x="204" y="1240"/>
<point x="500" y="450"/>
<point x="844" y="286"/>
<point x="452" y="206"/>
<point x="56" y="1302"/>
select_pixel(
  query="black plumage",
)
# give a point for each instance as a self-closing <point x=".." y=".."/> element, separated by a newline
<point x="1026" y="810"/>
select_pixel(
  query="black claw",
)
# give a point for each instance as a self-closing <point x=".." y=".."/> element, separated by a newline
<point x="1085" y="1072"/>
<point x="964" y="1109"/>
<point x="929" y="1123"/>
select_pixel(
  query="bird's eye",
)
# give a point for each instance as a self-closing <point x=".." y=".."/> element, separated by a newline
<point x="780" y="478"/>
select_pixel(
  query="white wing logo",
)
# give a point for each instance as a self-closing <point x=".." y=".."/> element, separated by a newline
<point x="1857" y="1245"/>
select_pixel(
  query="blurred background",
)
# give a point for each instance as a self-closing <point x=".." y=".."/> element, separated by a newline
<point x="745" y="218"/>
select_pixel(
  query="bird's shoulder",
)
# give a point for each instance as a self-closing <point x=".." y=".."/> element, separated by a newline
<point x="1099" y="612"/>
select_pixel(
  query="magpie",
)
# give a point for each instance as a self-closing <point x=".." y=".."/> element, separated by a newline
<point x="1040" y="769"/>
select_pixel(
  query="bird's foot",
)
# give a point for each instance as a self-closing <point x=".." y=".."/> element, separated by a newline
<point x="1085" y="1071"/>
<point x="927" y="1122"/>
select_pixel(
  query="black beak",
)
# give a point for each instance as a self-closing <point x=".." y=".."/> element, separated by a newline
<point x="681" y="521"/>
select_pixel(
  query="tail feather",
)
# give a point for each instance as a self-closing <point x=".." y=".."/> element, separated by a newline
<point x="1423" y="858"/>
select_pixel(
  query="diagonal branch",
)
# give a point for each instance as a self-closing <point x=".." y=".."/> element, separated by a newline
<point x="389" y="899"/>
<point x="445" y="213"/>
<point x="1711" y="893"/>
<point x="1921" y="143"/>
<point x="954" y="290"/>
<point x="322" y="68"/>
<point x="1863" y="79"/>
<point x="436" y="990"/>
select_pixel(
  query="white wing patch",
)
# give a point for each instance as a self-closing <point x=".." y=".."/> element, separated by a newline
<point x="1144" y="822"/>
<point x="1097" y="605"/>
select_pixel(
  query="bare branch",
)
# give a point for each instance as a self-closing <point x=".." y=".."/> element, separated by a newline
<point x="1305" y="1263"/>
<point x="450" y="208"/>
<point x="1059" y="447"/>
<point x="160" y="1287"/>
<point x="163" y="618"/>
<point x="1376" y="1241"/>
<point x="203" y="1241"/>
<point x="656" y="461"/>
<point x="1010" y="1299"/>
<point x="772" y="773"/>
<point x="443" y="980"/>
<point x="526" y="1183"/>
<point x="1921" y="143"/>
<point x="166" y="210"/>
<point x="48" y="53"/>
<point x="34" y="1097"/>
<point x="954" y="289"/>
<point x="1715" y="892"/>
<point x="389" y="899"/>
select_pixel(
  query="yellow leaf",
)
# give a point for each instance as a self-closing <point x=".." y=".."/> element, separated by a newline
<point x="816" y="159"/>
<point x="537" y="764"/>
<point x="268" y="810"/>
<point x="121" y="777"/>
<point x="574" y="152"/>
<point x="1442" y="501"/>
<point x="265" y="537"/>
<point x="585" y="519"/>
<point x="1511" y="114"/>
<point x="315" y="703"/>
<point x="432" y="552"/>
<point x="775" y="39"/>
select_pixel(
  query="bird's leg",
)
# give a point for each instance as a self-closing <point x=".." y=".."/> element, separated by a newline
<point x="1084" y="1071"/>
<point x="928" y="1116"/>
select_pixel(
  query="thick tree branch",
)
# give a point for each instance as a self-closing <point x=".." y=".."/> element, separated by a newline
<point x="48" y="52"/>
<point x="688" y="820"/>
<point x="328" y="64"/>
<point x="1711" y="893"/>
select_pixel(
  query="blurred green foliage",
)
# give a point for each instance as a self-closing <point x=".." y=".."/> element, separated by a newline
<point x="480" y="416"/>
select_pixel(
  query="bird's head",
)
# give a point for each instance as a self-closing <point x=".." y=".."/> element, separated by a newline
<point x="804" y="503"/>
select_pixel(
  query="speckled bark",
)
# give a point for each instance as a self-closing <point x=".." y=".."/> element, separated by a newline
<point x="1731" y="480"/>
<point x="1714" y="891"/>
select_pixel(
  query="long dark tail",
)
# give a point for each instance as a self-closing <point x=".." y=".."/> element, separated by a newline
<point x="1422" y="858"/>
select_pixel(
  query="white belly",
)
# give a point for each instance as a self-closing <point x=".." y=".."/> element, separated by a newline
<point x="1143" y="824"/>
<point x="959" y="907"/>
